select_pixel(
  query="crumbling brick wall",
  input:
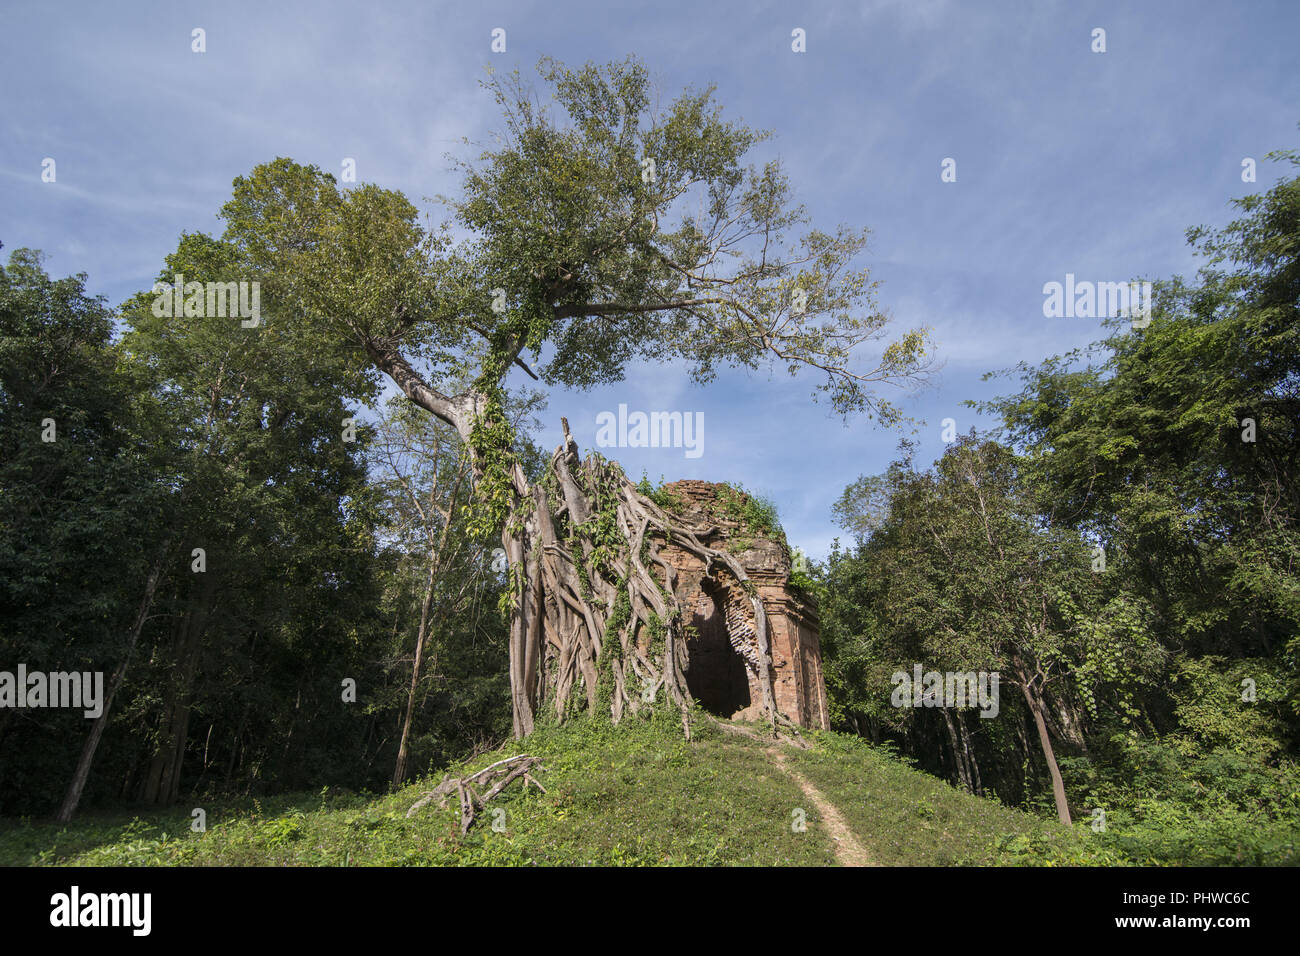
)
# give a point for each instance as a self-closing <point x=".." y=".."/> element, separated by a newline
<point x="721" y="646"/>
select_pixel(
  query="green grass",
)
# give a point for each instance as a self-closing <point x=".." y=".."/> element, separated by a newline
<point x="908" y="818"/>
<point x="637" y="794"/>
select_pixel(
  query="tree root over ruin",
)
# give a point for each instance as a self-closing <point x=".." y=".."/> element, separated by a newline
<point x="495" y="777"/>
<point x="596" y="624"/>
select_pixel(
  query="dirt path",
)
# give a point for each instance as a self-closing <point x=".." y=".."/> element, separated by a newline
<point x="848" y="850"/>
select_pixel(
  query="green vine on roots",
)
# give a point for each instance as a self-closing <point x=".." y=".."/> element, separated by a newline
<point x="601" y="530"/>
<point x="657" y="493"/>
<point x="658" y="637"/>
<point x="508" y="601"/>
<point x="610" y="645"/>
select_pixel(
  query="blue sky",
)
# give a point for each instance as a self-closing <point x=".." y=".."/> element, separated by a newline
<point x="1067" y="160"/>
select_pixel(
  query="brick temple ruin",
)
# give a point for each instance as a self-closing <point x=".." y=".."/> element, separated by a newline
<point x="723" y="670"/>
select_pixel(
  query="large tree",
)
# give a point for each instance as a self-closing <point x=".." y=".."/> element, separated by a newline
<point x="258" y="542"/>
<point x="1177" y="445"/>
<point x="602" y="232"/>
<point x="78" y="507"/>
<point x="966" y="572"/>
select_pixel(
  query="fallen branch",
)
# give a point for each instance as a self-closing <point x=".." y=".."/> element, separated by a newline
<point x="496" y="777"/>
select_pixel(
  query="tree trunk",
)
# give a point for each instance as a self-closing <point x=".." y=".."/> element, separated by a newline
<point x="960" y="770"/>
<point x="163" y="783"/>
<point x="236" y="744"/>
<point x="426" y="609"/>
<point x="79" y="777"/>
<point x="969" y="750"/>
<point x="1058" y="785"/>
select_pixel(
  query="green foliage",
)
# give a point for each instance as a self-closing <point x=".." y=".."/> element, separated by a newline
<point x="79" y="514"/>
<point x="490" y="438"/>
<point x="422" y="470"/>
<point x="756" y="515"/>
<point x="1157" y="547"/>
<point x="600" y="530"/>
<point x="803" y="581"/>
<point x="193" y="431"/>
<point x="657" y="493"/>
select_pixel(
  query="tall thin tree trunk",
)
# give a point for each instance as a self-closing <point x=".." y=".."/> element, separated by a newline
<point x="958" y="755"/>
<point x="163" y="785"/>
<point x="521" y="621"/>
<point x="235" y="745"/>
<point x="969" y="748"/>
<point x="151" y="785"/>
<point x="77" y="785"/>
<point x="426" y="610"/>
<point x="1058" y="785"/>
